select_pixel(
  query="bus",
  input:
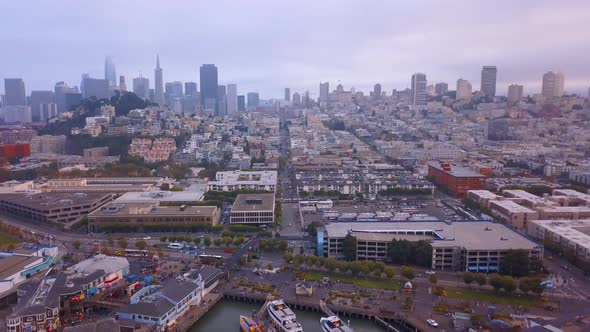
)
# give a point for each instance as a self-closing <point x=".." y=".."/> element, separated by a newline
<point x="175" y="245"/>
<point x="135" y="253"/>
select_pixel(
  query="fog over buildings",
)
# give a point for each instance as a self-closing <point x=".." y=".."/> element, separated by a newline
<point x="383" y="52"/>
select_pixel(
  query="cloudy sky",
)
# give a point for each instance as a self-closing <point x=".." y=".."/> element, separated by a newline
<point x="267" y="45"/>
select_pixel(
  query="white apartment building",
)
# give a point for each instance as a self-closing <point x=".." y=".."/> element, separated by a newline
<point x="235" y="180"/>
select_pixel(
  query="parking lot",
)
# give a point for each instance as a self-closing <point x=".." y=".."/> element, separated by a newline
<point x="425" y="209"/>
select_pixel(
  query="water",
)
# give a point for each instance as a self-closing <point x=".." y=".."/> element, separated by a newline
<point x="225" y="316"/>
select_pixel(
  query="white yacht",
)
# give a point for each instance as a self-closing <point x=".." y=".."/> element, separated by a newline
<point x="334" y="324"/>
<point x="283" y="317"/>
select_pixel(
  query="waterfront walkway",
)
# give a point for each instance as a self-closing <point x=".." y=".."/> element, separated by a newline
<point x="195" y="312"/>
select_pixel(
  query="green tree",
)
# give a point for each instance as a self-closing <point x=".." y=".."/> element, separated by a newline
<point x="349" y="248"/>
<point x="515" y="263"/>
<point x="238" y="241"/>
<point x="140" y="244"/>
<point x="163" y="238"/>
<point x="331" y="264"/>
<point x="399" y="251"/>
<point x="207" y="241"/>
<point x="433" y="279"/>
<point x="496" y="282"/>
<point x="408" y="272"/>
<point x="197" y="240"/>
<point x="228" y="241"/>
<point x="111" y="241"/>
<point x="480" y="279"/>
<point x="508" y="284"/>
<point x="76" y="244"/>
<point x="269" y="266"/>
<point x="356" y="267"/>
<point x="123" y="243"/>
<point x="218" y="241"/>
<point x="389" y="272"/>
<point x="468" y="278"/>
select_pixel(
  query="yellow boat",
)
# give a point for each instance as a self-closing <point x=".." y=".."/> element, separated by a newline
<point x="247" y="324"/>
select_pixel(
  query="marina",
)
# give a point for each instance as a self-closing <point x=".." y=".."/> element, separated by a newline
<point x="224" y="316"/>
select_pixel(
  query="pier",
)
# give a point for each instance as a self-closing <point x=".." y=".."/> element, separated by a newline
<point x="195" y="312"/>
<point x="384" y="318"/>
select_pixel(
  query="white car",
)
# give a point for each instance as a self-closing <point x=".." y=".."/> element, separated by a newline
<point x="430" y="272"/>
<point x="432" y="322"/>
<point x="147" y="238"/>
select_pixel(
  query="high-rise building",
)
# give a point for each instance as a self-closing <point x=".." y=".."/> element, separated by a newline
<point x="122" y="84"/>
<point x="253" y="99"/>
<point x="96" y="87"/>
<point x="296" y="99"/>
<point x="324" y="92"/>
<point x="14" y="92"/>
<point x="287" y="94"/>
<point x="71" y="99"/>
<point x="141" y="87"/>
<point x="190" y="88"/>
<point x="514" y="93"/>
<point x="159" y="83"/>
<point x="209" y="81"/>
<point x="552" y="85"/>
<point x="110" y="74"/>
<point x="84" y="77"/>
<point x="61" y="88"/>
<point x="488" y="80"/>
<point x="419" y="89"/>
<point x="441" y="88"/>
<point x="17" y="113"/>
<point x="38" y="98"/>
<point x="221" y="100"/>
<point x="232" y="98"/>
<point x="377" y="91"/>
<point x="464" y="89"/>
<point x="241" y="103"/>
<point x="173" y="89"/>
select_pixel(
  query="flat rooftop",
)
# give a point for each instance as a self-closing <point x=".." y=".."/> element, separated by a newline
<point x="46" y="201"/>
<point x="577" y="231"/>
<point x="162" y="196"/>
<point x="152" y="208"/>
<point x="511" y="206"/>
<point x="254" y="202"/>
<point x="458" y="171"/>
<point x="472" y="235"/>
<point x="245" y="177"/>
<point x="484" y="194"/>
<point x="10" y="265"/>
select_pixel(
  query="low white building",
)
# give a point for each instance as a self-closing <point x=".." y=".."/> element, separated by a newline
<point x="235" y="180"/>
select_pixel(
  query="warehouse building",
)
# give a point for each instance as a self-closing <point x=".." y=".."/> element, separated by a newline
<point x="455" y="179"/>
<point x="61" y="208"/>
<point x="151" y="212"/>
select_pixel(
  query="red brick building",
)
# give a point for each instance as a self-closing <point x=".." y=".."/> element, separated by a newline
<point x="19" y="150"/>
<point x="455" y="179"/>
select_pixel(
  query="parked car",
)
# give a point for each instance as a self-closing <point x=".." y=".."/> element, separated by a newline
<point x="432" y="322"/>
<point x="430" y="272"/>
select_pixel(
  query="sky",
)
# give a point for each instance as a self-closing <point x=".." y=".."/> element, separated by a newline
<point x="267" y="45"/>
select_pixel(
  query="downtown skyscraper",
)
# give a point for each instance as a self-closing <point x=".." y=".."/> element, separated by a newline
<point x="418" y="89"/>
<point x="324" y="92"/>
<point x="488" y="80"/>
<point x="159" y="83"/>
<point x="14" y="92"/>
<point x="209" y="86"/>
<point x="110" y="73"/>
<point x="232" y="98"/>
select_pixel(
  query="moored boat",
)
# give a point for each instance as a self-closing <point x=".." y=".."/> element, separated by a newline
<point x="283" y="317"/>
<point x="334" y="324"/>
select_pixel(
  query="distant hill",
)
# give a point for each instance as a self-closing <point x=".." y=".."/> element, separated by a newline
<point x="91" y="107"/>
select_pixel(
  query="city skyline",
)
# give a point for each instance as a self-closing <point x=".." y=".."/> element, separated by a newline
<point x="389" y="55"/>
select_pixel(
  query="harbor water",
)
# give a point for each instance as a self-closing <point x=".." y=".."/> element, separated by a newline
<point x="225" y="316"/>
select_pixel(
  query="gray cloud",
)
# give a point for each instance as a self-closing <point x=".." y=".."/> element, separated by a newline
<point x="266" y="45"/>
